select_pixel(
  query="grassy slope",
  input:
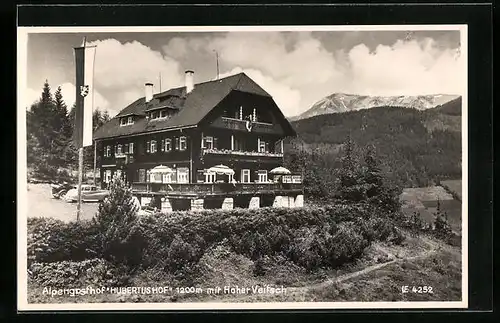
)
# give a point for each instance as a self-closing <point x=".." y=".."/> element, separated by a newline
<point x="377" y="276"/>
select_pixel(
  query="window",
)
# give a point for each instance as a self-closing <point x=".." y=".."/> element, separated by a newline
<point x="263" y="147"/>
<point x="107" y="151"/>
<point x="254" y="115"/>
<point x="107" y="176"/>
<point x="210" y="177"/>
<point x="153" y="147"/>
<point x="148" y="176"/>
<point x="124" y="121"/>
<point x="119" y="149"/>
<point x="183" y="175"/>
<point x="163" y="113"/>
<point x="278" y="146"/>
<point x="208" y="142"/>
<point x="118" y="173"/>
<point x="131" y="148"/>
<point x="245" y="176"/>
<point x="183" y="143"/>
<point x="142" y="175"/>
<point x="239" y="144"/>
<point x="167" y="144"/>
<point x="262" y="176"/>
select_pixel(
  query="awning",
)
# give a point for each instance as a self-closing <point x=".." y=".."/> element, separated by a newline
<point x="280" y="171"/>
<point x="221" y="170"/>
<point x="161" y="169"/>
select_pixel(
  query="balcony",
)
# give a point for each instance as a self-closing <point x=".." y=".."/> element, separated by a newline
<point x="240" y="153"/>
<point x="216" y="189"/>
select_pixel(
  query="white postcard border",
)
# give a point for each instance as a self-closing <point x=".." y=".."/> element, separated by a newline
<point x="22" y="292"/>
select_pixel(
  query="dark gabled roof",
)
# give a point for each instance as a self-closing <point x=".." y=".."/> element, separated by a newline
<point x="192" y="107"/>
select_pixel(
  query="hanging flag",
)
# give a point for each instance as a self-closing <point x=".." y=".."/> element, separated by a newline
<point x="84" y="100"/>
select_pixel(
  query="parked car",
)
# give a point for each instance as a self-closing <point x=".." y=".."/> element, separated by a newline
<point x="59" y="190"/>
<point x="90" y="193"/>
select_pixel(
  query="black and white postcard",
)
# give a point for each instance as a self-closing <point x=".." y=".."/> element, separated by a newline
<point x="259" y="167"/>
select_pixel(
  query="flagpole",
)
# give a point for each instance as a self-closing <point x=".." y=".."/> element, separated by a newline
<point x="80" y="168"/>
<point x="95" y="162"/>
<point x="80" y="179"/>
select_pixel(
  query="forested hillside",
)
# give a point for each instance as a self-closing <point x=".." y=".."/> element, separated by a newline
<point x="415" y="148"/>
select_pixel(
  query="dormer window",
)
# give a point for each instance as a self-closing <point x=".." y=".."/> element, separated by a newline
<point x="124" y="121"/>
<point x="158" y="114"/>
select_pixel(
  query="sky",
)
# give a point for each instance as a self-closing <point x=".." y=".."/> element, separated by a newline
<point x="298" y="68"/>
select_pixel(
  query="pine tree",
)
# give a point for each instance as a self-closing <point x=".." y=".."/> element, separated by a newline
<point x="351" y="181"/>
<point x="442" y="228"/>
<point x="378" y="191"/>
<point x="373" y="174"/>
<point x="116" y="220"/>
<point x="62" y="114"/>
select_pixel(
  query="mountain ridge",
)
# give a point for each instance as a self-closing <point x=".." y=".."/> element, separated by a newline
<point x="345" y="102"/>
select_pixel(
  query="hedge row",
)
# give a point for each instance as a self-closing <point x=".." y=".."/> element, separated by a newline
<point x="310" y="237"/>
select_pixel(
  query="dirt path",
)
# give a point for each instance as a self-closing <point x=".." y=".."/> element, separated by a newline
<point x="434" y="247"/>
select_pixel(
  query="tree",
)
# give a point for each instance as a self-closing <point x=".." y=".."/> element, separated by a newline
<point x="373" y="174"/>
<point x="116" y="220"/>
<point x="352" y="185"/>
<point x="62" y="116"/>
<point x="442" y="228"/>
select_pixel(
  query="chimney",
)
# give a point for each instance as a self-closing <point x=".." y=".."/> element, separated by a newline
<point x="148" y="88"/>
<point x="189" y="81"/>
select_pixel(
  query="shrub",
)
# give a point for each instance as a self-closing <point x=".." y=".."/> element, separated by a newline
<point x="183" y="258"/>
<point x="345" y="244"/>
<point x="51" y="240"/>
<point x="116" y="221"/>
<point x="308" y="237"/>
<point x="68" y="274"/>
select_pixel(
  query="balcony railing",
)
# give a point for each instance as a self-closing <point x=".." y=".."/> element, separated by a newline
<point x="215" y="188"/>
<point x="240" y="153"/>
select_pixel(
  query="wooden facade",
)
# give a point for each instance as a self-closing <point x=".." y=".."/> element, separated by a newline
<point x="244" y="131"/>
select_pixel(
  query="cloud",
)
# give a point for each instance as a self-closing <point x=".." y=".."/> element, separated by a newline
<point x="121" y="69"/>
<point x="287" y="98"/>
<point x="295" y="59"/>
<point x="405" y="68"/>
<point x="29" y="97"/>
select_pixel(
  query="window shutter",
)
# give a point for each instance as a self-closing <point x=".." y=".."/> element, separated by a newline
<point x="131" y="148"/>
<point x="162" y="145"/>
<point x="147" y="146"/>
<point x="177" y="143"/>
<point x="215" y="143"/>
<point x="126" y="148"/>
<point x="267" y="146"/>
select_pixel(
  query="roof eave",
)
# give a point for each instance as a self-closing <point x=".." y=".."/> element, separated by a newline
<point x="148" y="132"/>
